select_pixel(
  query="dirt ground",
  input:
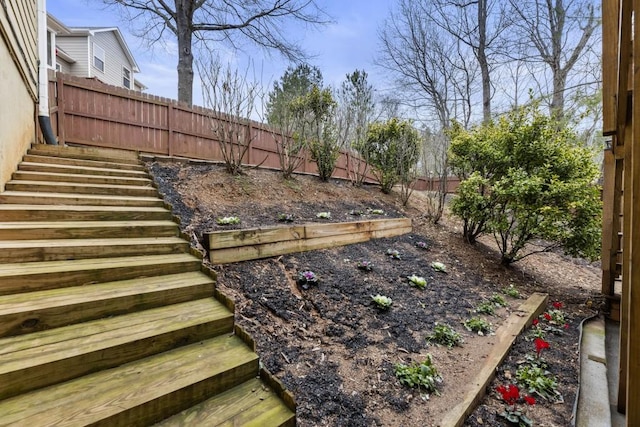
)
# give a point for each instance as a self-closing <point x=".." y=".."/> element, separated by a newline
<point x="330" y="346"/>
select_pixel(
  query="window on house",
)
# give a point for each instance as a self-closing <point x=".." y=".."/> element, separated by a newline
<point x="98" y="57"/>
<point x="126" y="77"/>
<point x="50" y="48"/>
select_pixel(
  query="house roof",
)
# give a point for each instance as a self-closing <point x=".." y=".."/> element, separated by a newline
<point x="65" y="31"/>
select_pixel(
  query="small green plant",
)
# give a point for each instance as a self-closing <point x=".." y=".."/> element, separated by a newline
<point x="376" y="212"/>
<point x="478" y="325"/>
<point x="381" y="301"/>
<point x="539" y="381"/>
<point x="228" y="220"/>
<point x="323" y="215"/>
<point x="285" y="217"/>
<point x="422" y="245"/>
<point x="486" y="307"/>
<point x="307" y="278"/>
<point x="393" y="253"/>
<point x="417" y="281"/>
<point x="511" y="291"/>
<point x="365" y="265"/>
<point x="498" y="300"/>
<point x="421" y="375"/>
<point x="438" y="266"/>
<point x="445" y="335"/>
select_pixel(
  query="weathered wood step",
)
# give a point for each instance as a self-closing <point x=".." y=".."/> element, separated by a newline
<point x="18" y="212"/>
<point x="35" y="276"/>
<point x="32" y="230"/>
<point x="40" y="359"/>
<point x="80" y="178"/>
<point x="37" y="311"/>
<point x="141" y="392"/>
<point x="86" y="153"/>
<point x="82" y="163"/>
<point x="37" y="164"/>
<point x="61" y="249"/>
<point x="33" y="198"/>
<point x="250" y="403"/>
<point x="80" y="188"/>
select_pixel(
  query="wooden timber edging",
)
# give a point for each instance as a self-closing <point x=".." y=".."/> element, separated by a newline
<point x="264" y="242"/>
<point x="505" y="336"/>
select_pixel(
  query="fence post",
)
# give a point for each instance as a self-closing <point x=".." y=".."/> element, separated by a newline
<point x="62" y="134"/>
<point x="170" y="112"/>
<point x="250" y="143"/>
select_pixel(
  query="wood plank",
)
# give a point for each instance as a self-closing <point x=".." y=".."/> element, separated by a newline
<point x="248" y="402"/>
<point x="244" y="253"/>
<point x="29" y="198"/>
<point x="86" y="229"/>
<point x="81" y="188"/>
<point x="624" y="60"/>
<point x="262" y="235"/>
<point x="610" y="15"/>
<point x="139" y="393"/>
<point x="505" y="336"/>
<point x="42" y="213"/>
<point x="34" y="276"/>
<point x="86" y="153"/>
<point x="45" y="358"/>
<point x="22" y="175"/>
<point x="37" y="311"/>
<point x="67" y="249"/>
<point x="38" y="166"/>
<point x="609" y="237"/>
<point x="632" y="298"/>
<point x="43" y="159"/>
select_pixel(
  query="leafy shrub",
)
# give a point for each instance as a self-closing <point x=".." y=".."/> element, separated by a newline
<point x="382" y="301"/>
<point x="228" y="220"/>
<point x="478" y="325"/>
<point x="486" y="307"/>
<point x="539" y="381"/>
<point x="417" y="281"/>
<point x="498" y="300"/>
<point x="445" y="335"/>
<point x="421" y="375"/>
<point x="511" y="291"/>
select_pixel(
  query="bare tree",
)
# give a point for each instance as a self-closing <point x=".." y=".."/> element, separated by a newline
<point x="228" y="21"/>
<point x="231" y="98"/>
<point x="558" y="32"/>
<point x="478" y="24"/>
<point x="435" y="168"/>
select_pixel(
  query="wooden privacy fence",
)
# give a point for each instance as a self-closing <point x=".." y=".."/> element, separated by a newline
<point x="89" y="112"/>
<point x="254" y="243"/>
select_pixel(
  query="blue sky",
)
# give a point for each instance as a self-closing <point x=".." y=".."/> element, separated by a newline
<point x="339" y="48"/>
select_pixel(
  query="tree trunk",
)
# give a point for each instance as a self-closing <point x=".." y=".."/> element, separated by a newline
<point x="184" y="18"/>
<point x="557" y="101"/>
<point x="482" y="60"/>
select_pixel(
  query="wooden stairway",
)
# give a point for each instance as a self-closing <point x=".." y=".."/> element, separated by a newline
<point x="106" y="318"/>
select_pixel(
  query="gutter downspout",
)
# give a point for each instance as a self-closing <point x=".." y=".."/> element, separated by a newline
<point x="43" y="80"/>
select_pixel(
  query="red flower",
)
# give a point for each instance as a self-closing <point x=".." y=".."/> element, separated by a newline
<point x="530" y="400"/>
<point x="547" y="316"/>
<point x="540" y="345"/>
<point x="557" y="305"/>
<point x="566" y="326"/>
<point x="535" y="322"/>
<point x="510" y="393"/>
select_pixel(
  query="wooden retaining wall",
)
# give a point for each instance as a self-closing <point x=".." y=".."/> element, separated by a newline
<point x="254" y="243"/>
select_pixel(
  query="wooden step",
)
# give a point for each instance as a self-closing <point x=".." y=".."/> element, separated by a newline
<point x="17" y="212"/>
<point x="48" y="357"/>
<point x="37" y="311"/>
<point x="67" y="249"/>
<point x="80" y="178"/>
<point x="79" y="188"/>
<point x="35" y="276"/>
<point x="86" y="153"/>
<point x="37" y="164"/>
<point x="31" y="230"/>
<point x="32" y="198"/>
<point x="30" y="158"/>
<point x="250" y="403"/>
<point x="139" y="393"/>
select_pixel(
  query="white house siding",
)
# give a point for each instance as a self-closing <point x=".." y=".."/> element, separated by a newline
<point x="115" y="59"/>
<point x="18" y="83"/>
<point x="77" y="48"/>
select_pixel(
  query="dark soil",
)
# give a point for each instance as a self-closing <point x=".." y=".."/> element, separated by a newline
<point x="330" y="345"/>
